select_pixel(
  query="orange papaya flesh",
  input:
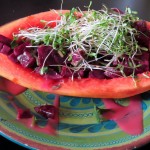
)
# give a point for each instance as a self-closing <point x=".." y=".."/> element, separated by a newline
<point x="86" y="87"/>
<point x="30" y="21"/>
<point x="11" y="87"/>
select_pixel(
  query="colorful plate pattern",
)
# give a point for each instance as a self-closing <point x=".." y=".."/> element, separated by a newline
<point x="78" y="128"/>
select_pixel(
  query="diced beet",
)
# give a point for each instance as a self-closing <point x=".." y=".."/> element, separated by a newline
<point x="126" y="65"/>
<point x="37" y="70"/>
<point x="96" y="73"/>
<point x="66" y="72"/>
<point x="112" y="73"/>
<point x="22" y="114"/>
<point x="144" y="61"/>
<point x="51" y="74"/>
<point x="26" y="59"/>
<point x="49" y="56"/>
<point x="79" y="73"/>
<point x="13" y="57"/>
<point x="44" y="55"/>
<point x="141" y="62"/>
<point x="1" y="45"/>
<point x="58" y="59"/>
<point x="47" y="111"/>
<point x="143" y="40"/>
<point x="140" y="25"/>
<point x="77" y="57"/>
<point x="117" y="10"/>
<point x="144" y="37"/>
<point x="5" y="50"/>
<point x="5" y="40"/>
<point x="20" y="49"/>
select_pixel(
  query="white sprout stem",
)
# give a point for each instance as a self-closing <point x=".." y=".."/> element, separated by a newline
<point x="46" y="58"/>
<point x="90" y="34"/>
<point x="99" y="47"/>
<point x="116" y="32"/>
<point x="111" y="61"/>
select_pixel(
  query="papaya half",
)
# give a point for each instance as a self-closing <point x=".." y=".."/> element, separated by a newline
<point x="86" y="87"/>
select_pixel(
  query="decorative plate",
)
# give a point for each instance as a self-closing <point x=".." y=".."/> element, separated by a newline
<point x="78" y="128"/>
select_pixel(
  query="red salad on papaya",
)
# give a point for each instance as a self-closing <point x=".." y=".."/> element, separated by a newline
<point x="101" y="54"/>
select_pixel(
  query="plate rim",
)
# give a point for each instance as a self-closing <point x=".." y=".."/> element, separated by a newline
<point x="34" y="145"/>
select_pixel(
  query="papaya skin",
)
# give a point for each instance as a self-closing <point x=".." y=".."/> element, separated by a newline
<point x="86" y="87"/>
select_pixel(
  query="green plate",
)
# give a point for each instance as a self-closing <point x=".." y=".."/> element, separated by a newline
<point x="78" y="128"/>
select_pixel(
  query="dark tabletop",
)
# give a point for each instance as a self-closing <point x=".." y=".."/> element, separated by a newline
<point x="14" y="9"/>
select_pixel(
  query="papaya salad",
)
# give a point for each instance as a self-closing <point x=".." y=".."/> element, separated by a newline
<point x="99" y="54"/>
<point x="98" y="44"/>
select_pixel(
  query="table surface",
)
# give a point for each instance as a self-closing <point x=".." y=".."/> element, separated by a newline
<point x="14" y="9"/>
